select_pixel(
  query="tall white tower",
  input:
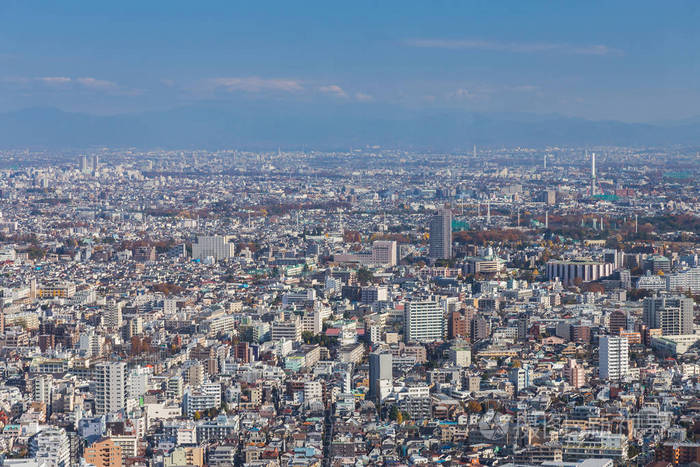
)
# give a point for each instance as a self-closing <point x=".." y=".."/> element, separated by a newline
<point x="592" y="174"/>
<point x="110" y="387"/>
<point x="613" y="357"/>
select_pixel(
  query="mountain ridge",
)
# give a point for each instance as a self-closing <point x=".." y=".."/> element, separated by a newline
<point x="266" y="126"/>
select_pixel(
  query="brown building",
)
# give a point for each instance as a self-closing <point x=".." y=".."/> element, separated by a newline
<point x="581" y="333"/>
<point x="480" y="328"/>
<point x="618" y="322"/>
<point x="678" y="453"/>
<point x="47" y="341"/>
<point x="144" y="253"/>
<point x="458" y="325"/>
<point x="104" y="453"/>
<point x="241" y="352"/>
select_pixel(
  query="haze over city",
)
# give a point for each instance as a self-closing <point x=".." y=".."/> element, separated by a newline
<point x="288" y="73"/>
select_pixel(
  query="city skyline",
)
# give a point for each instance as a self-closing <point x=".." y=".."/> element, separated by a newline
<point x="321" y="234"/>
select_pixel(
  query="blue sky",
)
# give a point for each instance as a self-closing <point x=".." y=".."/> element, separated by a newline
<point x="629" y="61"/>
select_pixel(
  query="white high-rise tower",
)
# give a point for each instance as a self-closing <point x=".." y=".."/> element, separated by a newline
<point x="592" y="174"/>
<point x="110" y="387"/>
<point x="613" y="357"/>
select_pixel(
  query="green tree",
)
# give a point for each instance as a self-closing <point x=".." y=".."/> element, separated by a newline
<point x="394" y="413"/>
<point x="364" y="276"/>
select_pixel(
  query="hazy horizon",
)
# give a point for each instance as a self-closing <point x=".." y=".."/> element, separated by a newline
<point x="627" y="61"/>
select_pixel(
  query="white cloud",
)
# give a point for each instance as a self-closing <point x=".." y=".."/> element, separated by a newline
<point x="514" y="47"/>
<point x="54" y="79"/>
<point x="362" y="97"/>
<point x="256" y="84"/>
<point x="96" y="83"/>
<point x="67" y="84"/>
<point x="334" y="90"/>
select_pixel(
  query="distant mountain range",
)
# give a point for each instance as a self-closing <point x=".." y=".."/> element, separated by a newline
<point x="263" y="126"/>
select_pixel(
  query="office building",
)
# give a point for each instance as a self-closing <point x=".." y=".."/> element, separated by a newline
<point x="384" y="252"/>
<point x="672" y="314"/>
<point x="441" y="235"/>
<point x="289" y="328"/>
<point x="380" y="369"/>
<point x="377" y="293"/>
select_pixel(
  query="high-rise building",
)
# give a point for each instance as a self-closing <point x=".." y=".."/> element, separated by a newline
<point x="51" y="447"/>
<point x="380" y="369"/>
<point x="84" y="167"/>
<point x="523" y="328"/>
<point x="521" y="377"/>
<point x="618" y="322"/>
<point x="441" y="235"/>
<point x="194" y="374"/>
<point x="458" y="325"/>
<point x="138" y="382"/>
<point x="479" y="328"/>
<point x="42" y="386"/>
<point x="593" y="175"/>
<point x="175" y="387"/>
<point x="423" y="321"/>
<point x="110" y="387"/>
<point x="206" y="396"/>
<point x="672" y="314"/>
<point x="549" y="197"/>
<point x="112" y="317"/>
<point x="574" y="373"/>
<point x="613" y="357"/>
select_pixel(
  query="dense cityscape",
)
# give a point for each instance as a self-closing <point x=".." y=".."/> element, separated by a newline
<point x="505" y="307"/>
